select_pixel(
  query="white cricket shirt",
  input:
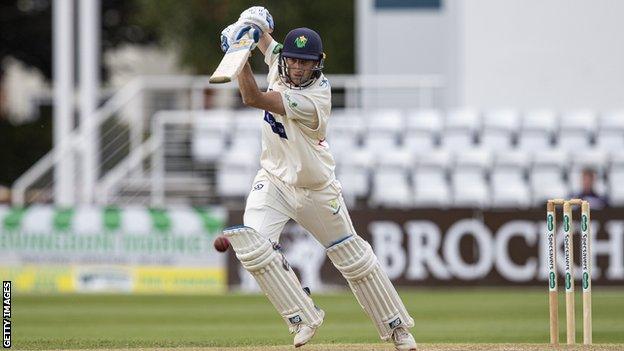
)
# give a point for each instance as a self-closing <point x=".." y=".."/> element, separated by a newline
<point x="293" y="146"/>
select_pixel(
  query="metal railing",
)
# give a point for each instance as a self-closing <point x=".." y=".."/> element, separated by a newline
<point x="136" y="105"/>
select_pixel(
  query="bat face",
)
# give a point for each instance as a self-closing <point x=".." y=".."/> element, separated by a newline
<point x="242" y="44"/>
<point x="232" y="61"/>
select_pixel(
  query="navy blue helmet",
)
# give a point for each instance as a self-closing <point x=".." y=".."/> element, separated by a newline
<point x="303" y="44"/>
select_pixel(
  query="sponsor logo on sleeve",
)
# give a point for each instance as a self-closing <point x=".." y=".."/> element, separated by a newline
<point x="278" y="48"/>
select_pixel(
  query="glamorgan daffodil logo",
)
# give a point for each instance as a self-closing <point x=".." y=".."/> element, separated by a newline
<point x="301" y="41"/>
<point x="334" y="205"/>
<point x="291" y="103"/>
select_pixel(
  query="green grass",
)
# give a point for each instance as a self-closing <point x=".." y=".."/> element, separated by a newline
<point x="450" y="315"/>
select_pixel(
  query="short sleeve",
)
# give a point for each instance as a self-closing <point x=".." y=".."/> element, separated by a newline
<point x="300" y="107"/>
<point x="272" y="53"/>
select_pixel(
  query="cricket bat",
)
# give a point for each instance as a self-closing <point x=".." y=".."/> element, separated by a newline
<point x="233" y="61"/>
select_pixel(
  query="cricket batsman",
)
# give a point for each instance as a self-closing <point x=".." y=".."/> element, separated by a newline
<point x="297" y="181"/>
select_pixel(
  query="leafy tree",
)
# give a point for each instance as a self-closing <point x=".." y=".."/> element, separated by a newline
<point x="193" y="27"/>
<point x="22" y="146"/>
<point x="26" y="27"/>
<point x="26" y="34"/>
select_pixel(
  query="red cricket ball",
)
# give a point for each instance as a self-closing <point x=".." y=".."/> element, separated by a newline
<point x="221" y="243"/>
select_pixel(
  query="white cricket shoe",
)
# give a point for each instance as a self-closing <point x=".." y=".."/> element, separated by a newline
<point x="403" y="340"/>
<point x="306" y="332"/>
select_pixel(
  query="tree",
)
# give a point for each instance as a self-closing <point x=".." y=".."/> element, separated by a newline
<point x="193" y="27"/>
<point x="26" y="27"/>
<point x="26" y="34"/>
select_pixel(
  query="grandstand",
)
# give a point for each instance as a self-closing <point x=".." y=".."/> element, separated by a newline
<point x="175" y="139"/>
<point x="433" y="158"/>
<point x="162" y="144"/>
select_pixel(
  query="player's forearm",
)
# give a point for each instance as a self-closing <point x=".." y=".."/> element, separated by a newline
<point x="248" y="86"/>
<point x="253" y="97"/>
<point x="265" y="40"/>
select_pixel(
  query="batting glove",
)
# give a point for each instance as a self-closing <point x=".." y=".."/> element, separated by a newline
<point x="236" y="31"/>
<point x="258" y="16"/>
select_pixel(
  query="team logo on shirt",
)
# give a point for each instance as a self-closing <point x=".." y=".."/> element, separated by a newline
<point x="258" y="186"/>
<point x="335" y="205"/>
<point x="301" y="41"/>
<point x="291" y="103"/>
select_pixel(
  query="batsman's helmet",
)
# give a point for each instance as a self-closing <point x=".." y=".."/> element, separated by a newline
<point x="303" y="44"/>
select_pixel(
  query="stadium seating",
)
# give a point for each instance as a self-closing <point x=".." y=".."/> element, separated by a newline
<point x="537" y="130"/>
<point x="248" y="143"/>
<point x="499" y="129"/>
<point x="246" y="136"/>
<point x="398" y="158"/>
<point x="422" y="130"/>
<point x="355" y="183"/>
<point x="360" y="158"/>
<point x="501" y="158"/>
<point x="547" y="175"/>
<point x="616" y="179"/>
<point x="610" y="135"/>
<point x="382" y="131"/>
<point x="353" y="173"/>
<point x="616" y="187"/>
<point x="390" y="189"/>
<point x="509" y="189"/>
<point x="210" y="135"/>
<point x="576" y="130"/>
<point x="459" y="129"/>
<point x="235" y="173"/>
<point x="431" y="188"/>
<point x="508" y="184"/>
<point x="388" y="121"/>
<point x="468" y="181"/>
<point x="347" y="128"/>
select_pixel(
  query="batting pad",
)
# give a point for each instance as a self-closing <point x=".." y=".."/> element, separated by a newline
<point x="277" y="280"/>
<point x="355" y="259"/>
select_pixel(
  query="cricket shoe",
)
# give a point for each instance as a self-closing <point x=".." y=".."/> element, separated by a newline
<point x="403" y="340"/>
<point x="305" y="332"/>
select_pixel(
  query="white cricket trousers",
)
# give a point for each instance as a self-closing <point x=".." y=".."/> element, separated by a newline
<point x="271" y="203"/>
